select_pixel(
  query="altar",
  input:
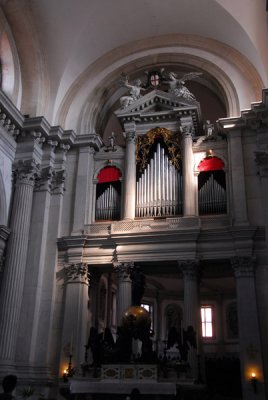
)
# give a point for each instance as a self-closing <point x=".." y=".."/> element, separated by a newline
<point x="82" y="386"/>
<point x="123" y="378"/>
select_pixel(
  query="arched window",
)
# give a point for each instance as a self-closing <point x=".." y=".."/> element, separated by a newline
<point x="212" y="197"/>
<point x="108" y="194"/>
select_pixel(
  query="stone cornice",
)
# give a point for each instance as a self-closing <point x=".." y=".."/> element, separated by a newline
<point x="255" y="118"/>
<point x="164" y="244"/>
<point x="14" y="123"/>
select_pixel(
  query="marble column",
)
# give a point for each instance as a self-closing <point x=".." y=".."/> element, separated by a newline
<point x="189" y="193"/>
<point x="239" y="203"/>
<point x="124" y="295"/>
<point x="248" y="325"/>
<point x="191" y="311"/>
<point x="13" y="279"/>
<point x="130" y="173"/>
<point x="74" y="334"/>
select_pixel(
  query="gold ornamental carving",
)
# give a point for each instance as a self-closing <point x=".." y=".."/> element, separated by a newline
<point x="144" y="144"/>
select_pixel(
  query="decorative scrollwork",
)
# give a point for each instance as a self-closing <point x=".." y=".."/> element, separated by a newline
<point x="145" y="143"/>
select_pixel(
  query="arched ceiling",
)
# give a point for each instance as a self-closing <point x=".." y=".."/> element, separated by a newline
<point x="70" y="51"/>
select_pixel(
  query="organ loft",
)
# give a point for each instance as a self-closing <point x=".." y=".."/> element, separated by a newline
<point x="158" y="202"/>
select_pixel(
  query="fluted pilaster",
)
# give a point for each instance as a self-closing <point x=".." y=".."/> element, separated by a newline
<point x="13" y="280"/>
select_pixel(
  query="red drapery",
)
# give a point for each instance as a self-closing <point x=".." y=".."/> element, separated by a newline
<point x="211" y="164"/>
<point x="109" y="174"/>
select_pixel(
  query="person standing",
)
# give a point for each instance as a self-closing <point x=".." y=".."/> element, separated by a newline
<point x="9" y="383"/>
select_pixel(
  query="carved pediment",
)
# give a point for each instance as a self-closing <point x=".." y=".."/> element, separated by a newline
<point x="158" y="106"/>
<point x="156" y="101"/>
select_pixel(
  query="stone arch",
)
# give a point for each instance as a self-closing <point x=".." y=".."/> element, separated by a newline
<point x="10" y="67"/>
<point x="238" y="78"/>
<point x="30" y="91"/>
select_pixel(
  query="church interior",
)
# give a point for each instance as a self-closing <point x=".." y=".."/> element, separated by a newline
<point x="134" y="199"/>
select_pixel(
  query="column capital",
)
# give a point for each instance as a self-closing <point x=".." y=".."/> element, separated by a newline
<point x="189" y="268"/>
<point x="26" y="171"/>
<point x="77" y="273"/>
<point x="44" y="181"/>
<point x="130" y="137"/>
<point x="57" y="182"/>
<point x="186" y="132"/>
<point x="124" y="270"/>
<point x="244" y="267"/>
<point x="91" y="151"/>
<point x="186" y="127"/>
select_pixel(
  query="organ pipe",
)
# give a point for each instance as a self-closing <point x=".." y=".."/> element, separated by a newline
<point x="212" y="197"/>
<point x="159" y="188"/>
<point x="108" y="204"/>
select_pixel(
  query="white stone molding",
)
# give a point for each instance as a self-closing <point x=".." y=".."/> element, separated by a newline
<point x="77" y="273"/>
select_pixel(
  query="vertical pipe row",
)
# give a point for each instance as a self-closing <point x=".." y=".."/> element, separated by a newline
<point x="108" y="204"/>
<point x="212" y="197"/>
<point x="159" y="188"/>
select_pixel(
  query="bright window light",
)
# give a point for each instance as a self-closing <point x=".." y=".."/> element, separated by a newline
<point x="207" y="322"/>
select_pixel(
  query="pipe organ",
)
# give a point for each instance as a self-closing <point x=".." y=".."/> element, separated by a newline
<point x="212" y="195"/>
<point x="159" y="179"/>
<point x="108" y="204"/>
